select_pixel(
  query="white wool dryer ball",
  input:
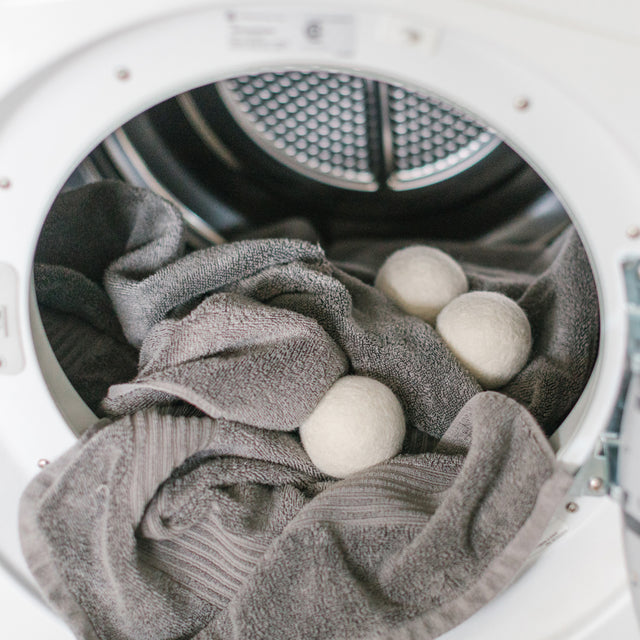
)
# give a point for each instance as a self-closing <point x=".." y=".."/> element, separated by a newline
<point x="359" y="422"/>
<point x="489" y="333"/>
<point x="421" y="280"/>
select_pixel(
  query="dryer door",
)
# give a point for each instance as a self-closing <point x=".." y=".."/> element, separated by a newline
<point x="629" y="444"/>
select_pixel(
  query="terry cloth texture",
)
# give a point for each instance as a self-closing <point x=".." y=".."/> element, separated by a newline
<point x="195" y="513"/>
<point x="84" y="232"/>
<point x="162" y="527"/>
<point x="379" y="340"/>
<point x="554" y="287"/>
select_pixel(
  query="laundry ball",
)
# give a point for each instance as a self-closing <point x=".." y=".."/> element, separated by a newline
<point x="489" y="334"/>
<point x="421" y="280"/>
<point x="359" y="422"/>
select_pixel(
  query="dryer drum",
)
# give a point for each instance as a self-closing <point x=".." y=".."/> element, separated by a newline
<point x="203" y="323"/>
<point x="385" y="157"/>
<point x="354" y="132"/>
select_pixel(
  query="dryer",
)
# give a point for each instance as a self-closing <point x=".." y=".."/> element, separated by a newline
<point x="553" y="79"/>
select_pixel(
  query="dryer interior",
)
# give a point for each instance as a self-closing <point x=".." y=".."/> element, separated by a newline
<point x="359" y="165"/>
<point x="356" y="166"/>
<point x="354" y="156"/>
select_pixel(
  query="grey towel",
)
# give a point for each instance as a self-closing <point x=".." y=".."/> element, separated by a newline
<point x="85" y="231"/>
<point x="106" y="527"/>
<point x="153" y="284"/>
<point x="160" y="525"/>
<point x="83" y="331"/>
<point x="555" y="288"/>
<point x="237" y="359"/>
<point x="151" y="279"/>
<point x="379" y="340"/>
<point x="410" y="548"/>
<point x="163" y="527"/>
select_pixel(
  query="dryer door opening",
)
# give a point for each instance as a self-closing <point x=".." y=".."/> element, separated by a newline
<point x="360" y="167"/>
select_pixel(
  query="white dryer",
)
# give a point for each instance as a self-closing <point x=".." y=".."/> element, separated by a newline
<point x="555" y="80"/>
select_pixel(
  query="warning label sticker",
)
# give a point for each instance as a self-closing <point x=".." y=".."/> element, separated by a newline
<point x="280" y="31"/>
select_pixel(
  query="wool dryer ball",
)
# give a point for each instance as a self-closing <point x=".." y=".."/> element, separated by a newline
<point x="489" y="334"/>
<point x="421" y="280"/>
<point x="359" y="422"/>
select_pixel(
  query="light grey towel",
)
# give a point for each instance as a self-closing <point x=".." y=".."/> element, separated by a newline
<point x="410" y="548"/>
<point x="147" y="527"/>
<point x="162" y="527"/>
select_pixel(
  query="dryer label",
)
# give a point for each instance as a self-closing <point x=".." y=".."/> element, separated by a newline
<point x="11" y="357"/>
<point x="273" y="30"/>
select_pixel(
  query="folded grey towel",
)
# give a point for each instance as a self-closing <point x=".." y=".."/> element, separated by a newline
<point x="163" y="527"/>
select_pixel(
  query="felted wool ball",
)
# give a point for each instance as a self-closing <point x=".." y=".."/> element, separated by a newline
<point x="421" y="280"/>
<point x="489" y="334"/>
<point x="359" y="422"/>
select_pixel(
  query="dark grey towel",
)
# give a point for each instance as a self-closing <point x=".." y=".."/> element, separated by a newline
<point x="162" y="527"/>
<point x="85" y="231"/>
<point x="83" y="331"/>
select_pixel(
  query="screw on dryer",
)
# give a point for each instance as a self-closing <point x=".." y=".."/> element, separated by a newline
<point x="633" y="231"/>
<point x="596" y="484"/>
<point x="5" y="183"/>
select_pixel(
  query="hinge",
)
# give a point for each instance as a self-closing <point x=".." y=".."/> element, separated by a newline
<point x="600" y="474"/>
